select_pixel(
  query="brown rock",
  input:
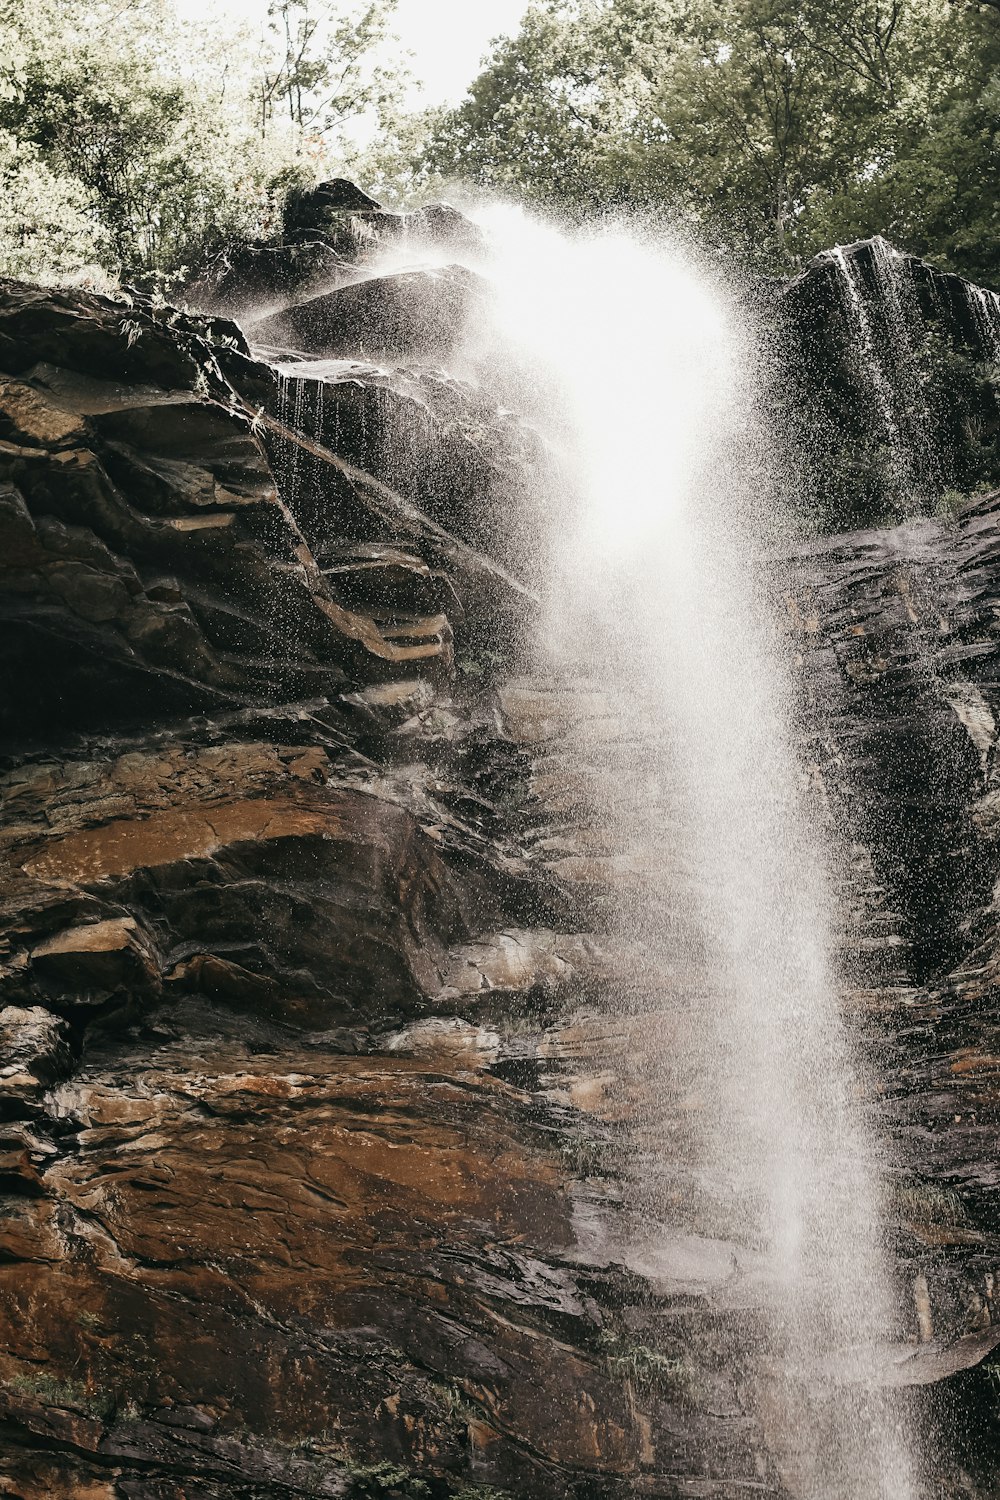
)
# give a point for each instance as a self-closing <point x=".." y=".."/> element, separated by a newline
<point x="110" y="956"/>
<point x="340" y="1159"/>
<point x="34" y="1052"/>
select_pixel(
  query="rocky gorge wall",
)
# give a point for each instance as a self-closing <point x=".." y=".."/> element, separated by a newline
<point x="323" y="1160"/>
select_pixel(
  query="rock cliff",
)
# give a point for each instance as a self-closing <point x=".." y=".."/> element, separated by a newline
<point x="321" y="1166"/>
<point x="886" y="385"/>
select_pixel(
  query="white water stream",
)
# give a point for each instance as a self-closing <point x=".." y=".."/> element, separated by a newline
<point x="887" y="327"/>
<point x="632" y="365"/>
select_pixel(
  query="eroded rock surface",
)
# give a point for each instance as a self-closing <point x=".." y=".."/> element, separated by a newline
<point x="412" y="315"/>
<point x="886" y="384"/>
<point x="325" y="1164"/>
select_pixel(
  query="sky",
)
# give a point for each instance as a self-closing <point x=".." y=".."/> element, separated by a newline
<point x="447" y="37"/>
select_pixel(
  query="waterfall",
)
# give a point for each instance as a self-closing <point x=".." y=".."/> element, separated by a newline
<point x="985" y="308"/>
<point x="634" y="366"/>
<point x="881" y="377"/>
<point x="886" y="328"/>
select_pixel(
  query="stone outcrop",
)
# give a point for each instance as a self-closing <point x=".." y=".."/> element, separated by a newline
<point x="331" y="234"/>
<point x="323" y="1164"/>
<point x="261" y="818"/>
<point x="248" y="281"/>
<point x="886" y="385"/>
<point x="422" y="315"/>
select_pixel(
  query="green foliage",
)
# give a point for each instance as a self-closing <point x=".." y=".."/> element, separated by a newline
<point x="778" y="126"/>
<point x="69" y="1394"/>
<point x="564" y="110"/>
<point x="629" y="1360"/>
<point x="927" y="1202"/>
<point x="46" y="230"/>
<point x="371" y="1481"/>
<point x="142" y="145"/>
<point x="394" y="167"/>
<point x="482" y="1492"/>
<point x="137" y="144"/>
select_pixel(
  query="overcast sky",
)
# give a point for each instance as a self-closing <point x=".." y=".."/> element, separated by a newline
<point x="447" y="37"/>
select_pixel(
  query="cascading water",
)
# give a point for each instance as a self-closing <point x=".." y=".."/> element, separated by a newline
<point x="887" y="328"/>
<point x="633" y="368"/>
<point x="856" y="299"/>
<point x="985" y="306"/>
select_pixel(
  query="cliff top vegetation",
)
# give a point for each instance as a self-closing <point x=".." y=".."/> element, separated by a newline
<point x="138" y="144"/>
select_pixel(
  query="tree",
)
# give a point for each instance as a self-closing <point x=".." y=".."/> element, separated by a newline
<point x="117" y="102"/>
<point x="777" y="125"/>
<point x="162" y="141"/>
<point x="325" y="72"/>
<point x="556" y="103"/>
<point x="45" y="227"/>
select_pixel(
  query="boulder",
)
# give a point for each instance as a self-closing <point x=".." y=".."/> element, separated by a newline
<point x="442" y="225"/>
<point x="255" y="280"/>
<point x="417" y="316"/>
<point x="357" y="228"/>
<point x="97" y="960"/>
<point x="339" y="195"/>
<point x="35" y="1051"/>
<point x="354" y="225"/>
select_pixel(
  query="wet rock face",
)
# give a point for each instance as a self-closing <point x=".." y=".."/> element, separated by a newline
<point x="261" y="852"/>
<point x="324" y="1169"/>
<point x="885" y="384"/>
<point x="151" y="561"/>
<point x="419" y="315"/>
<point x="249" y="281"/>
<point x="895" y="636"/>
<point x="335" y="236"/>
<point x="305" y="1249"/>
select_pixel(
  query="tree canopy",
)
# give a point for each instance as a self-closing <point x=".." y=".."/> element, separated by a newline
<point x="776" y="125"/>
<point x="140" y="144"/>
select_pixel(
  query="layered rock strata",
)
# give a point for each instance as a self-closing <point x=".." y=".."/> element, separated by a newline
<point x="326" y="1161"/>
